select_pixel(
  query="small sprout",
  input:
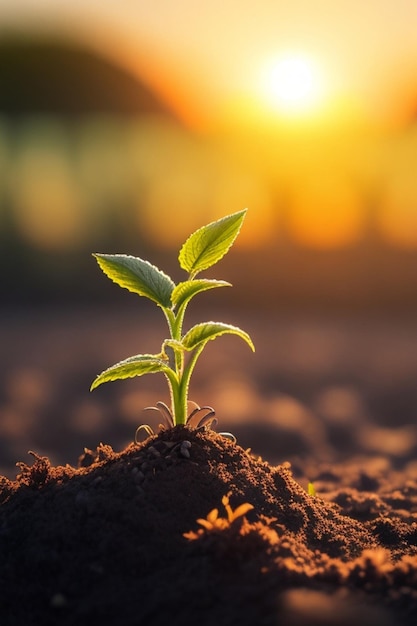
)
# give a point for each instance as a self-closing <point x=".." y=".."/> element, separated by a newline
<point x="215" y="523"/>
<point x="239" y="512"/>
<point x="180" y="352"/>
<point x="311" y="490"/>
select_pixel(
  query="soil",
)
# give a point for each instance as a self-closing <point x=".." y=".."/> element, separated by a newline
<point x="117" y="540"/>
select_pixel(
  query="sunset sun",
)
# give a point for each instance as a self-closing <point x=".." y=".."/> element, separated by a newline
<point x="292" y="84"/>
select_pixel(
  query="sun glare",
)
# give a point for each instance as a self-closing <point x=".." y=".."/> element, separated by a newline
<point x="292" y="84"/>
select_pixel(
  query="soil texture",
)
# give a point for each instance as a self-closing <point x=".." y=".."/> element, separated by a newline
<point x="117" y="540"/>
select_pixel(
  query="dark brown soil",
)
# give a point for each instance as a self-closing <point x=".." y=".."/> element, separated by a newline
<point x="105" y="544"/>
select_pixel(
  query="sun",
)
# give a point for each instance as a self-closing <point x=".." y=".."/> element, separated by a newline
<point x="292" y="84"/>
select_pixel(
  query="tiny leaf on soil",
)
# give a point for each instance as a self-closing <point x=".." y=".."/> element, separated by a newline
<point x="207" y="245"/>
<point x="201" y="333"/>
<point x="138" y="276"/>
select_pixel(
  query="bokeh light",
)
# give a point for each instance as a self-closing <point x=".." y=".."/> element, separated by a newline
<point x="292" y="84"/>
<point x="133" y="133"/>
<point x="125" y="126"/>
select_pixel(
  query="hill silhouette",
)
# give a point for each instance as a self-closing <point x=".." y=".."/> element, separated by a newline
<point x="47" y="76"/>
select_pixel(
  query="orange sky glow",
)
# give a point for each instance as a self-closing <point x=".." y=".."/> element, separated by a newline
<point x="206" y="56"/>
<point x="337" y="101"/>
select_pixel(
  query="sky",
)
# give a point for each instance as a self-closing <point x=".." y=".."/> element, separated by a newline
<point x="211" y="54"/>
<point x="217" y="63"/>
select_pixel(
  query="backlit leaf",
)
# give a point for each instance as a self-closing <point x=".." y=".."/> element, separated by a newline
<point x="133" y="366"/>
<point x="207" y="245"/>
<point x="241" y="510"/>
<point x="201" y="333"/>
<point x="138" y="276"/>
<point x="183" y="292"/>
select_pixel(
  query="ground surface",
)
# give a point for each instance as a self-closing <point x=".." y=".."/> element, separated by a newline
<point x="105" y="543"/>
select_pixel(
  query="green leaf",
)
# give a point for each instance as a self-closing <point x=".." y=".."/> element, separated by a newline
<point x="183" y="292"/>
<point x="137" y="365"/>
<point x="207" y="245"/>
<point x="201" y="333"/>
<point x="138" y="276"/>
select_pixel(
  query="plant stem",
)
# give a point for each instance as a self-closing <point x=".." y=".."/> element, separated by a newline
<point x="179" y="399"/>
<point x="179" y="384"/>
<point x="184" y="383"/>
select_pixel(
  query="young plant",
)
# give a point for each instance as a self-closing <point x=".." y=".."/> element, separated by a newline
<point x="214" y="523"/>
<point x="180" y="352"/>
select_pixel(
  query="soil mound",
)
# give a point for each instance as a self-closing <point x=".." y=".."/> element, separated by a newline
<point x="117" y="541"/>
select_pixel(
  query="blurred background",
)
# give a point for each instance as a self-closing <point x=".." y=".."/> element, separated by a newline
<point x="125" y="126"/>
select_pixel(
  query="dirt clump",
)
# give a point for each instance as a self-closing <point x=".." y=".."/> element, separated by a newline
<point x="117" y="541"/>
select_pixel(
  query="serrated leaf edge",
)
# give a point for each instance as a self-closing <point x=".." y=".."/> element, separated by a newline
<point x="149" y="291"/>
<point x="195" y="267"/>
<point x="157" y="359"/>
<point x="204" y="283"/>
<point x="222" y="329"/>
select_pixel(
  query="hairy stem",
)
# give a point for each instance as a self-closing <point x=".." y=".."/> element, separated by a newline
<point x="184" y="383"/>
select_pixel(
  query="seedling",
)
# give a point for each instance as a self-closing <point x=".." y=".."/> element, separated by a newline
<point x="180" y="352"/>
<point x="214" y="523"/>
<point x="311" y="490"/>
